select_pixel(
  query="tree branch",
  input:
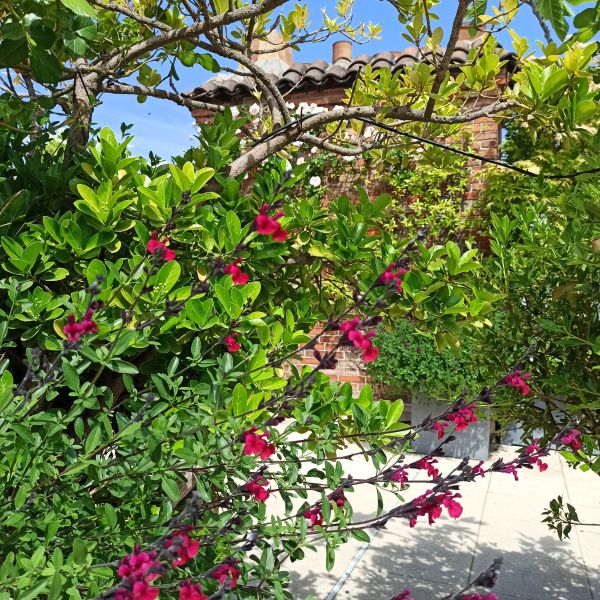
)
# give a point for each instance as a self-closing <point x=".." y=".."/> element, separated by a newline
<point x="278" y="140"/>
<point x="440" y="73"/>
<point x="142" y="90"/>
<point x="541" y="20"/>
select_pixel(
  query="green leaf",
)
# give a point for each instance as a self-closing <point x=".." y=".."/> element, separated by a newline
<point x="170" y="488"/>
<point x="80" y="7"/>
<point x="13" y="52"/>
<point x="45" y="66"/>
<point x="79" y="551"/>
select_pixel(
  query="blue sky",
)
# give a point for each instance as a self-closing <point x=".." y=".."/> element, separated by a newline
<point x="165" y="128"/>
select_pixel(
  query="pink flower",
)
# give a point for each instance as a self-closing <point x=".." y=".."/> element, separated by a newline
<point x="517" y="381"/>
<point x="224" y="572"/>
<point x="389" y="276"/>
<point x="266" y="225"/>
<point x="399" y="476"/>
<point x="490" y="596"/>
<point x="231" y="342"/>
<point x="369" y="352"/>
<point x="427" y="464"/>
<point x="403" y="595"/>
<point x="478" y="470"/>
<point x="452" y="506"/>
<point x="159" y="248"/>
<point x="237" y="276"/>
<point x="440" y="427"/>
<point x="512" y="469"/>
<point x="140" y="590"/>
<point x="338" y="497"/>
<point x="463" y="417"/>
<point x="570" y="439"/>
<point x="137" y="565"/>
<point x="74" y="330"/>
<point x="183" y="547"/>
<point x="533" y="447"/>
<point x="360" y="340"/>
<point x="258" y="488"/>
<point x="191" y="591"/>
<point x="314" y="515"/>
<point x="257" y="444"/>
<point x="351" y="325"/>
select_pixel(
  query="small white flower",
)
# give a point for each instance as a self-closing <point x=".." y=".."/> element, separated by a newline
<point x="315" y="181"/>
<point x="235" y="112"/>
<point x="238" y="131"/>
<point x="298" y="144"/>
<point x="301" y="160"/>
<point x="314" y="150"/>
<point x="290" y="105"/>
<point x="420" y="150"/>
<point x="254" y="109"/>
<point x="348" y="158"/>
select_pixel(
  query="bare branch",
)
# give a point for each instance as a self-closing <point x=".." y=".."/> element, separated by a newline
<point x="127" y="12"/>
<point x="541" y="20"/>
<point x="178" y="98"/>
<point x="278" y="140"/>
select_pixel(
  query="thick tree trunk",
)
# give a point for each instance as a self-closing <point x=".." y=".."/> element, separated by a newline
<point x="85" y="89"/>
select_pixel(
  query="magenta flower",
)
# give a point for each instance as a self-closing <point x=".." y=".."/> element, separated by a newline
<point x="478" y="469"/>
<point x="74" y="330"/>
<point x="237" y="276"/>
<point x="570" y="439"/>
<point x="191" y="591"/>
<point x="136" y="566"/>
<point x="352" y="333"/>
<point x="224" y="572"/>
<point x="314" y="515"/>
<point x="338" y="497"/>
<point x="517" y="381"/>
<point x="403" y="595"/>
<point x="140" y="590"/>
<point x="427" y="463"/>
<point x="399" y="476"/>
<point x="440" y="427"/>
<point x="258" y="488"/>
<point x="231" y="342"/>
<point x="183" y="547"/>
<point x="266" y="225"/>
<point x="391" y="277"/>
<point x="159" y="248"/>
<point x="512" y="469"/>
<point x="463" y="417"/>
<point x="257" y="444"/>
<point x="476" y="596"/>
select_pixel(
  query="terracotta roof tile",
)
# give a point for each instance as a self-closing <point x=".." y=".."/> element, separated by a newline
<point x="320" y="73"/>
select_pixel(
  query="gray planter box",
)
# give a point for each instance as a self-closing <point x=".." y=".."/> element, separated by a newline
<point x="473" y="442"/>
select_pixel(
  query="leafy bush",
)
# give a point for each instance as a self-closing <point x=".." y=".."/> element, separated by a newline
<point x="411" y="362"/>
<point x="157" y="320"/>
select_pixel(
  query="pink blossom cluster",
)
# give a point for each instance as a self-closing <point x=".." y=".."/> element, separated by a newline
<point x="403" y="595"/>
<point x="430" y="505"/>
<point x="571" y="439"/>
<point x="74" y="330"/>
<point x="399" y="475"/>
<point x="476" y="596"/>
<point x="393" y="277"/>
<point x="352" y="333"/>
<point x="159" y="248"/>
<point x="224" y="572"/>
<point x="257" y="444"/>
<point x="258" y="488"/>
<point x="231" y="342"/>
<point x="533" y="448"/>
<point x="182" y="547"/>
<point x="137" y="570"/>
<point x="266" y="225"/>
<point x="191" y="591"/>
<point x="518" y="381"/>
<point x="315" y="513"/>
<point x="462" y="418"/>
<point x="237" y="275"/>
<point x="427" y="463"/>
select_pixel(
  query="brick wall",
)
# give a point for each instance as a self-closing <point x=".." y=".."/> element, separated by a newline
<point x="485" y="141"/>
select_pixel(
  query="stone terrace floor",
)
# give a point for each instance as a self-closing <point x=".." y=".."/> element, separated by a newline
<point x="501" y="517"/>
